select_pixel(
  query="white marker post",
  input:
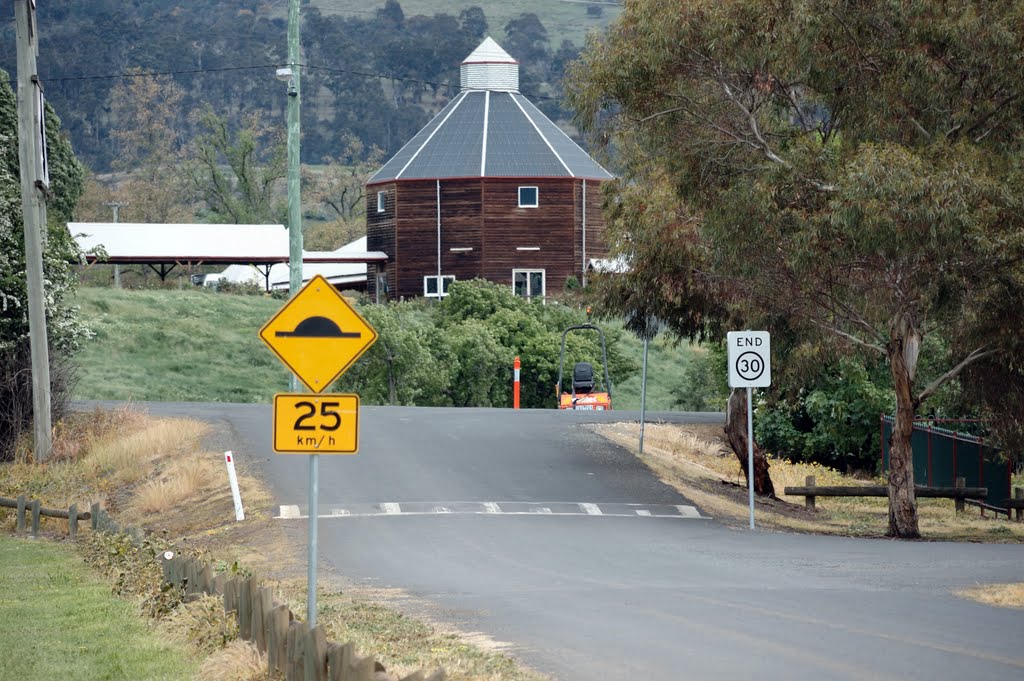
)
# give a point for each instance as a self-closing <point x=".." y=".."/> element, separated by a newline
<point x="750" y="366"/>
<point x="229" y="459"/>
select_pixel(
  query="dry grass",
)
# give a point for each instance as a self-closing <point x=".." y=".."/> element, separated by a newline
<point x="181" y="481"/>
<point x="122" y="458"/>
<point x="238" y="661"/>
<point x="201" y="625"/>
<point x="1000" y="595"/>
<point x="697" y="461"/>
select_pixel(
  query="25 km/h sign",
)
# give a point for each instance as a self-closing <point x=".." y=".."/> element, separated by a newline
<point x="316" y="424"/>
<point x="750" y="361"/>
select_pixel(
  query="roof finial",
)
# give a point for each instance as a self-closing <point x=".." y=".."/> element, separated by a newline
<point x="490" y="67"/>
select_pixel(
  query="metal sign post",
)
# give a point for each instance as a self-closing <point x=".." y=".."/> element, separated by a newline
<point x="317" y="335"/>
<point x="750" y="366"/>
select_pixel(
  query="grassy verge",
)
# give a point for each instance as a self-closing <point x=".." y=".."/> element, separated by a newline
<point x="68" y="625"/>
<point x="696" y="460"/>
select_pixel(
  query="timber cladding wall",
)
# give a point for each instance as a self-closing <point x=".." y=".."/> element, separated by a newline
<point x="484" y="232"/>
<point x="380" y="232"/>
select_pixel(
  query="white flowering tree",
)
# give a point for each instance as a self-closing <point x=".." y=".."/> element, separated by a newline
<point x="66" y="333"/>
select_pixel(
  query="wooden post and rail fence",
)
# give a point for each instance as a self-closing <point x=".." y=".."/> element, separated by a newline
<point x="25" y="506"/>
<point x="291" y="647"/>
<point x="960" y="494"/>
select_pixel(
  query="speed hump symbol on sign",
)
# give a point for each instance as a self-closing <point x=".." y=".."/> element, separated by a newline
<point x="317" y="334"/>
<point x="750" y="360"/>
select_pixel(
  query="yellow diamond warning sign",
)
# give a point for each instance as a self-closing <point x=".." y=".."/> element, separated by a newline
<point x="318" y="335"/>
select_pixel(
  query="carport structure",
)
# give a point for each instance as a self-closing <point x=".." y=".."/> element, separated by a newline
<point x="163" y="247"/>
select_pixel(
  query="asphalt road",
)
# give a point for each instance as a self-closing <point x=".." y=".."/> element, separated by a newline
<point x="529" y="528"/>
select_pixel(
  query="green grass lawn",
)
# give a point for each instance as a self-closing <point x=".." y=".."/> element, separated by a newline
<point x="666" y="364"/>
<point x="61" y="622"/>
<point x="191" y="345"/>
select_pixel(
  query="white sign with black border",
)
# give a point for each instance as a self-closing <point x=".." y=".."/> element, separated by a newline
<point x="750" y="359"/>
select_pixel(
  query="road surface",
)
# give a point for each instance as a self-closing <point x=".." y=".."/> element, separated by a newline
<point x="529" y="528"/>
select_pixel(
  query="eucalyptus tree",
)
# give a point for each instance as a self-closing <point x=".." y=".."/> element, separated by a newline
<point x="849" y="172"/>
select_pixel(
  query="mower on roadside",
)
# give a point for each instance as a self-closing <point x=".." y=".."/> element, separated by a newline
<point x="584" y="393"/>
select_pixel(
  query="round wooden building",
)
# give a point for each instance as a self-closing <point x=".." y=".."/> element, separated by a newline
<point x="489" y="188"/>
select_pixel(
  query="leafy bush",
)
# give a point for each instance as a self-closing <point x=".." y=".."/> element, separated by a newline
<point x="705" y="385"/>
<point x="834" y="422"/>
<point x="459" y="352"/>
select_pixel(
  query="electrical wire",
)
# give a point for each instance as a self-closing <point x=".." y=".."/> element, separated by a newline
<point x="312" y="67"/>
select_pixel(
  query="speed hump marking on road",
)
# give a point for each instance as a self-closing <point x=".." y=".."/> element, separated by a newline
<point x="317" y="334"/>
<point x="750" y="359"/>
<point x="306" y="423"/>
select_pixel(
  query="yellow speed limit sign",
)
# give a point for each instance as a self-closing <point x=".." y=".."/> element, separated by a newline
<point x="306" y="423"/>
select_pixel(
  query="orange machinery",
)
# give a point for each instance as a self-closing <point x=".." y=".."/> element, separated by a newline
<point x="583" y="393"/>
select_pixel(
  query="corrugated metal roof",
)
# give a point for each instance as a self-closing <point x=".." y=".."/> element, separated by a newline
<point x="490" y="130"/>
<point x="126" y="242"/>
<point x="520" y="142"/>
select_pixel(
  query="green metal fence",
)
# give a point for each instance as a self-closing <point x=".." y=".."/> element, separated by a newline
<point x="942" y="455"/>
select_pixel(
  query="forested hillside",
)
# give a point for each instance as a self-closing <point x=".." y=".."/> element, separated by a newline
<point x="375" y="70"/>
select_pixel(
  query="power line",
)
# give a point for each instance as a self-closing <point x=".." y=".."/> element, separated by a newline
<point x="312" y="67"/>
<point x="150" y="74"/>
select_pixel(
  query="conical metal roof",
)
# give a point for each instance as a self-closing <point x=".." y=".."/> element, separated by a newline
<point x="490" y="130"/>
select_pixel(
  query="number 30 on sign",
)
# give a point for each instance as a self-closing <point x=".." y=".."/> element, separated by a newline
<point x="321" y="423"/>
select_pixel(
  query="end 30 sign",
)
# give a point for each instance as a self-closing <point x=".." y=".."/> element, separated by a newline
<point x="750" y="359"/>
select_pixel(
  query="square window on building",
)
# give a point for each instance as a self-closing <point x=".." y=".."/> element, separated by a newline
<point x="528" y="283"/>
<point x="381" y="201"/>
<point x="430" y="285"/>
<point x="529" y="197"/>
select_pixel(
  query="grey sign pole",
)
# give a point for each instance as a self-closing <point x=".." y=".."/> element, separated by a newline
<point x="750" y="452"/>
<point x="314" y="515"/>
<point x="750" y="366"/>
<point x="643" y="396"/>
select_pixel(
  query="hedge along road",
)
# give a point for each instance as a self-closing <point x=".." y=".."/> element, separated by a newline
<point x="530" y="528"/>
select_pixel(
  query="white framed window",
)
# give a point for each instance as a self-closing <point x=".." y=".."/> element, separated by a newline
<point x="528" y="283"/>
<point x="381" y="201"/>
<point x="529" y="197"/>
<point x="437" y="287"/>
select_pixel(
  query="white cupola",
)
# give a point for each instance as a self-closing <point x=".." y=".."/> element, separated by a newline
<point x="490" y="68"/>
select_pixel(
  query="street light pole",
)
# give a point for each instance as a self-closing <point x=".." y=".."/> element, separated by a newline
<point x="33" y="184"/>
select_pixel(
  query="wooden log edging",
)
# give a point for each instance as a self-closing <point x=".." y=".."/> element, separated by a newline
<point x="291" y="648"/>
<point x="22" y="506"/>
<point x="959" y="494"/>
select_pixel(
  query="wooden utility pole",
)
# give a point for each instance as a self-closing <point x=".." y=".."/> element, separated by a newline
<point x="34" y="185"/>
<point x="295" y="277"/>
<point x="294" y="186"/>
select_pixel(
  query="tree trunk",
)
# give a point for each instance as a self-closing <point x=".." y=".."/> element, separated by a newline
<point x="736" y="431"/>
<point x="902" y="351"/>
